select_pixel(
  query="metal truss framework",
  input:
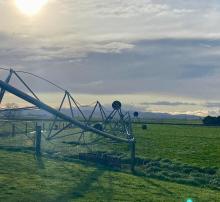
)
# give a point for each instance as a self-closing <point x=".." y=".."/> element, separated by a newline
<point x="114" y="126"/>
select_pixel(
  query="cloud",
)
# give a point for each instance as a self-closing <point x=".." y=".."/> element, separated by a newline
<point x="25" y="49"/>
<point x="167" y="48"/>
<point x="212" y="104"/>
<point x="115" y="8"/>
<point x="198" y="71"/>
<point x="160" y="66"/>
<point x="201" y="113"/>
<point x="167" y="103"/>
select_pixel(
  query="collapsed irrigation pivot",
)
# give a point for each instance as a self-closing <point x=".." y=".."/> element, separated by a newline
<point x="90" y="130"/>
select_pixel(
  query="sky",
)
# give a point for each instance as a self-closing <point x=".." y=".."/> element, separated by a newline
<point x="160" y="56"/>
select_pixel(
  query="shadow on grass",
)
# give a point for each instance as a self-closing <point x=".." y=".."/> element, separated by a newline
<point x="39" y="162"/>
<point x="85" y="186"/>
<point x="166" y="170"/>
<point x="162" y="169"/>
<point x="17" y="149"/>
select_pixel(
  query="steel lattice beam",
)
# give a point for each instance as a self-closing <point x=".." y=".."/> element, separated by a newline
<point x="7" y="87"/>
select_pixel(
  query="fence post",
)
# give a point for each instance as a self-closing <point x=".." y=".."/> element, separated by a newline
<point x="38" y="141"/>
<point x="133" y="156"/>
<point x="43" y="126"/>
<point x="26" y="128"/>
<point x="13" y="130"/>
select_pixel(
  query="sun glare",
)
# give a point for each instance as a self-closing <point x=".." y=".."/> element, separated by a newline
<point x="30" y="7"/>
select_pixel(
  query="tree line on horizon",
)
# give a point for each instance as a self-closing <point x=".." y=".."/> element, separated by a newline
<point x="211" y="121"/>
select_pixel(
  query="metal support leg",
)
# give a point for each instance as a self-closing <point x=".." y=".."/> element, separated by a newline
<point x="38" y="141"/>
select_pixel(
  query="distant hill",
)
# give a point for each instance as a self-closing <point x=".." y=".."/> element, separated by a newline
<point x="154" y="115"/>
<point x="142" y="115"/>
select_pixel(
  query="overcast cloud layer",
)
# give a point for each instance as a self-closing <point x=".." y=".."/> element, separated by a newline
<point x="166" y="48"/>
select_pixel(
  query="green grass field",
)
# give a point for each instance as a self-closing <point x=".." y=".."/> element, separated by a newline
<point x="181" y="162"/>
<point x="194" y="145"/>
<point x="25" y="179"/>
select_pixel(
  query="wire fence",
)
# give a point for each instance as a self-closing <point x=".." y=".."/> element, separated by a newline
<point x="72" y="143"/>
